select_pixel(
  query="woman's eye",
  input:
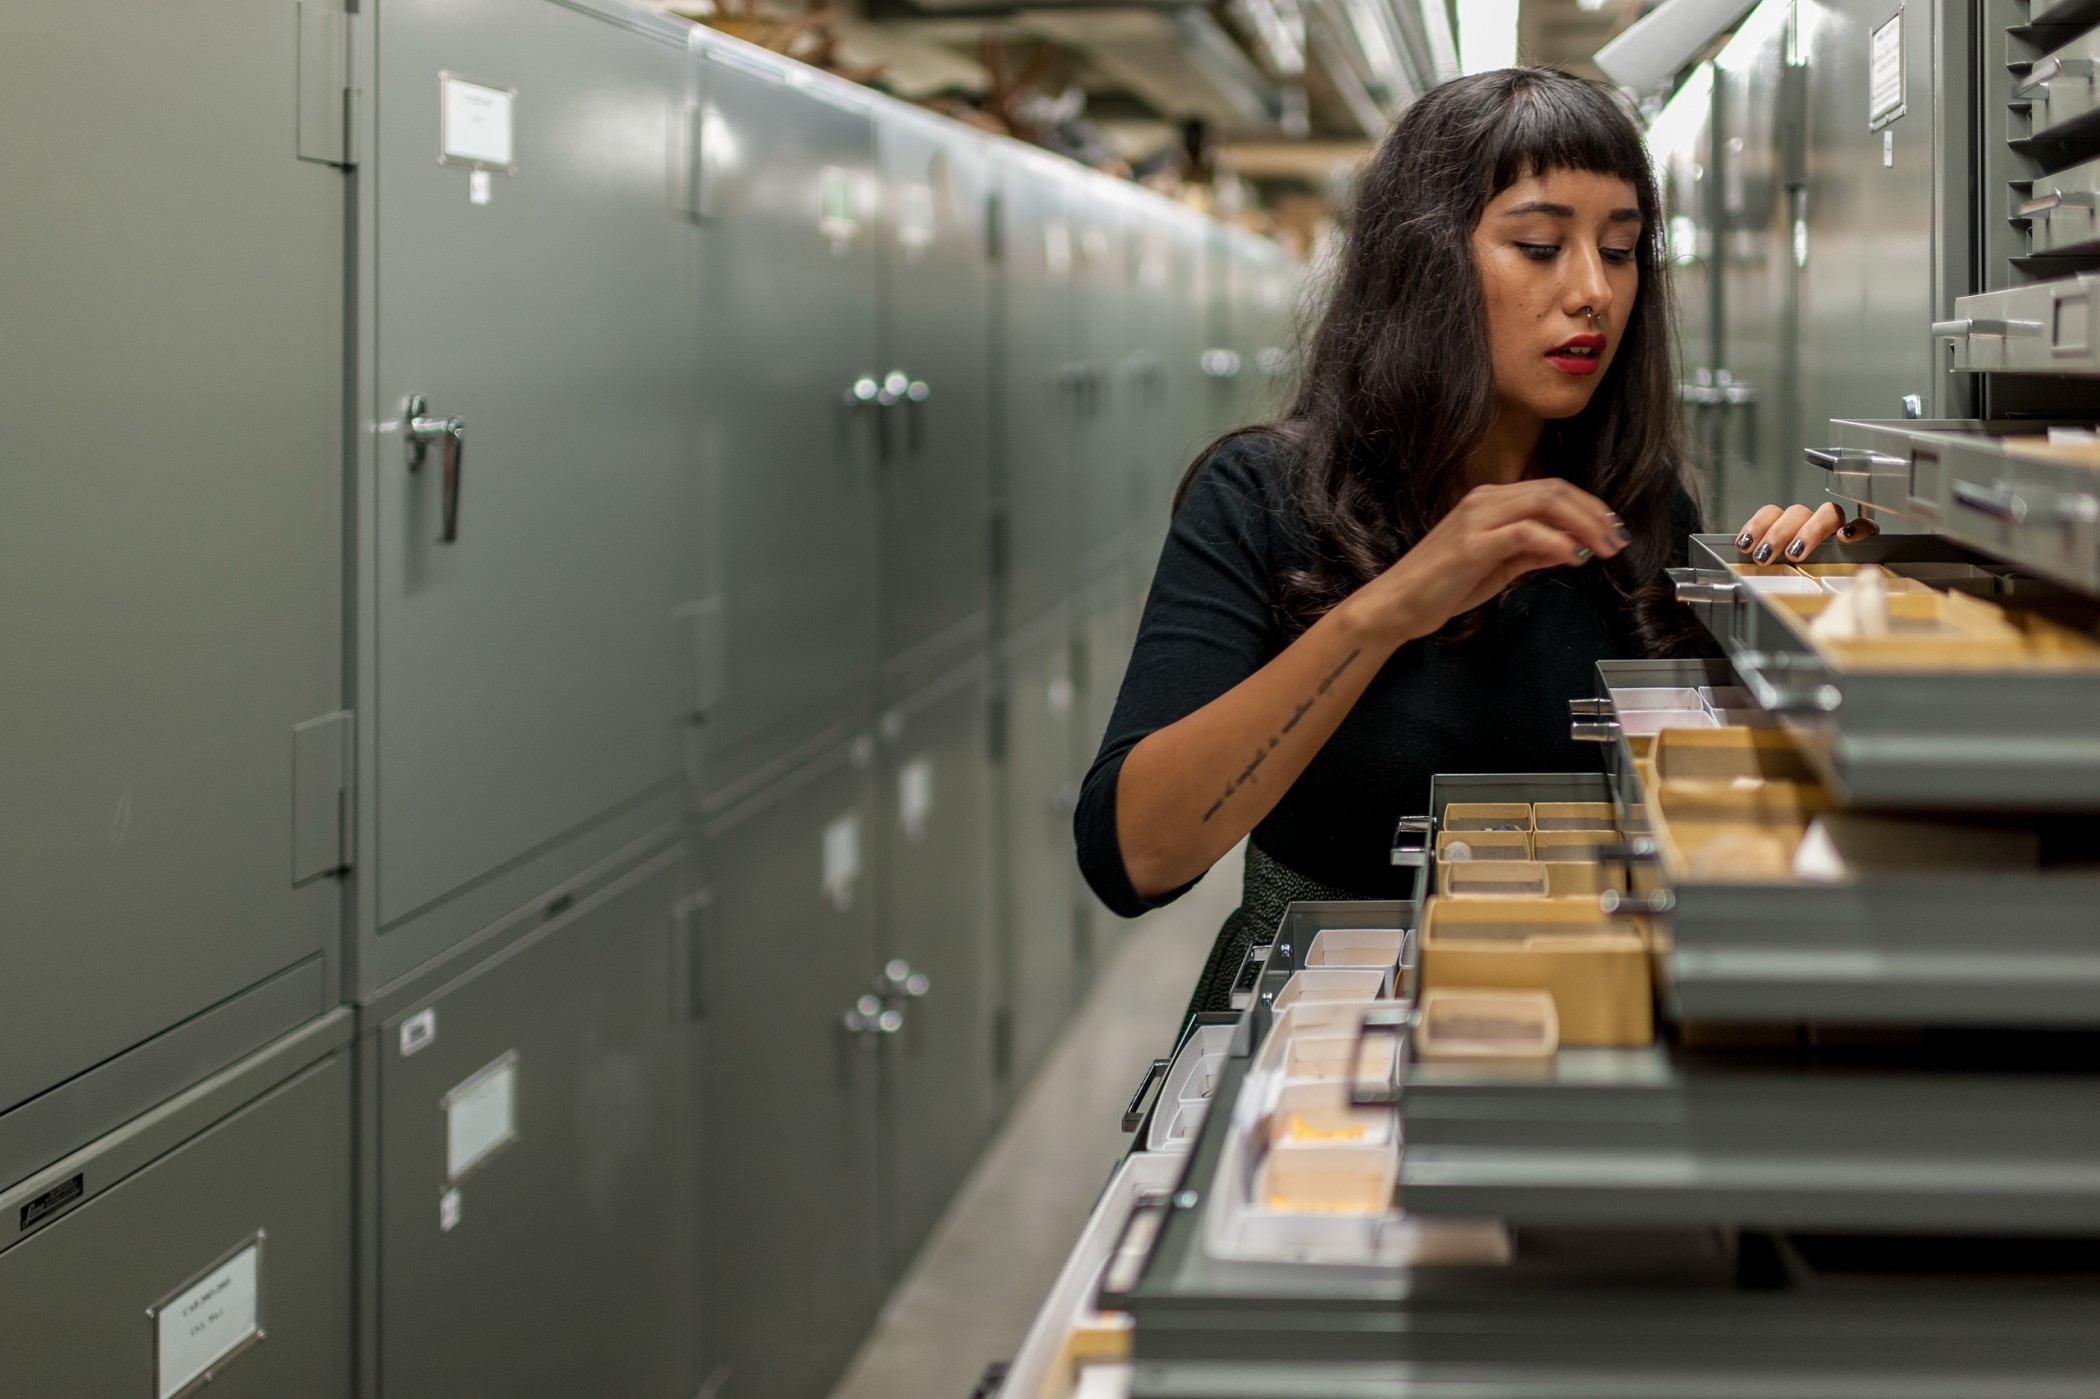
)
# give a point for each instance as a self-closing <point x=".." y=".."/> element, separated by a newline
<point x="1618" y="254"/>
<point x="1539" y="252"/>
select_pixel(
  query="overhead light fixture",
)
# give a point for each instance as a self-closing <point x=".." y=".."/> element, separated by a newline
<point x="1487" y="35"/>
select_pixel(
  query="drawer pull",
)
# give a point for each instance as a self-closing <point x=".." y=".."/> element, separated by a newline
<point x="2049" y="70"/>
<point x="1379" y="1022"/>
<point x="1971" y="326"/>
<point x="2004" y="503"/>
<point x="1134" y="1115"/>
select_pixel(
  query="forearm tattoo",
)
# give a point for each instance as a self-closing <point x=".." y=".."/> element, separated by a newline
<point x="1304" y="707"/>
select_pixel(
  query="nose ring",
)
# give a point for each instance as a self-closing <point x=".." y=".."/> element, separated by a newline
<point x="1591" y="312"/>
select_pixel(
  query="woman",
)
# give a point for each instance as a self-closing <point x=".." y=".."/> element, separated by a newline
<point x="1471" y="502"/>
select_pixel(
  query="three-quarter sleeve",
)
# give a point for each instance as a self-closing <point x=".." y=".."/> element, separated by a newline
<point x="1207" y="625"/>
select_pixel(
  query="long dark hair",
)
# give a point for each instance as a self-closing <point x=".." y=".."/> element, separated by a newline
<point x="1396" y="389"/>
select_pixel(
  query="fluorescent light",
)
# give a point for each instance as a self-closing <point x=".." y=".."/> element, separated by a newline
<point x="1487" y="35"/>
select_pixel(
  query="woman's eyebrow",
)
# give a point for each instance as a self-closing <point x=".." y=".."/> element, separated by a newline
<point x="1564" y="211"/>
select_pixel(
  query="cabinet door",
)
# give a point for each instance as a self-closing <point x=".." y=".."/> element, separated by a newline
<point x="1111" y="397"/>
<point x="171" y="371"/>
<point x="937" y="342"/>
<point x="786" y="1123"/>
<point x="935" y="810"/>
<point x="790" y="412"/>
<point x="1043" y="389"/>
<point x="534" y="1232"/>
<point x="255" y="1210"/>
<point x="1047" y="925"/>
<point x="526" y="673"/>
<point x="1759" y="444"/>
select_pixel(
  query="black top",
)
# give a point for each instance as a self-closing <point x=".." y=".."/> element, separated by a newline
<point x="1496" y="701"/>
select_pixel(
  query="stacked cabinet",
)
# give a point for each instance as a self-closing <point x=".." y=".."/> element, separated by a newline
<point x="174" y="1095"/>
<point x="529" y="578"/>
<point x="561" y="574"/>
<point x="170" y="563"/>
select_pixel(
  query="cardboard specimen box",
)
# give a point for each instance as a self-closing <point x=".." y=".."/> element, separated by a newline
<point x="1465" y="1025"/>
<point x="1596" y="968"/>
<point x="1487" y="816"/>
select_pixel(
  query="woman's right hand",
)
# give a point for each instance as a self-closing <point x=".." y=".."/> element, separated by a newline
<point x="1492" y="537"/>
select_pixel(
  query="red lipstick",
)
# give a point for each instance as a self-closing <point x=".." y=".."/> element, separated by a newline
<point x="1579" y="354"/>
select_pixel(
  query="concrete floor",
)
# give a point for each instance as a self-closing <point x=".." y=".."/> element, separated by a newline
<point x="968" y="1298"/>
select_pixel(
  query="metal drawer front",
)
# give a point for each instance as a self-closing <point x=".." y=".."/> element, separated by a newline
<point x="2061" y="212"/>
<point x="2045" y="328"/>
<point x="1656" y="1137"/>
<point x="1984" y="739"/>
<point x="1972" y="482"/>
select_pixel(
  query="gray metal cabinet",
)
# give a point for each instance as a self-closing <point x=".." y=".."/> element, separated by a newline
<point x="1884" y="250"/>
<point x="1046" y="917"/>
<point x="532" y="1223"/>
<point x="934" y="811"/>
<point x="783" y="949"/>
<point x="522" y="674"/>
<point x="1043" y="388"/>
<point x="791" y="413"/>
<point x="1681" y="142"/>
<point x="215" y="1233"/>
<point x="1759" y="105"/>
<point x="1111" y="404"/>
<point x="1261" y="313"/>
<point x="1107" y="627"/>
<point x="935" y="399"/>
<point x="170" y="568"/>
<point x="1171" y="336"/>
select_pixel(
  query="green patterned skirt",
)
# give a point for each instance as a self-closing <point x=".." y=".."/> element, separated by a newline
<point x="1268" y="888"/>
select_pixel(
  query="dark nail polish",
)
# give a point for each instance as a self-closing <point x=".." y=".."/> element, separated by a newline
<point x="1763" y="555"/>
<point x="1743" y="540"/>
<point x="1584" y="553"/>
<point x="1796" y="549"/>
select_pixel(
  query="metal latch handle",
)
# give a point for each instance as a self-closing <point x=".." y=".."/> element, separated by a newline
<point x="421" y="429"/>
<point x="870" y="1017"/>
<point x="1134" y="1115"/>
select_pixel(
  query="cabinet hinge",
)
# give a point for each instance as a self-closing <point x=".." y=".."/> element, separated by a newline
<point x="327" y="112"/>
<point x="322" y="840"/>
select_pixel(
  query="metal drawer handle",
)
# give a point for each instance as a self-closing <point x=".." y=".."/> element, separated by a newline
<point x="1134" y="1115"/>
<point x="1704" y="589"/>
<point x="2049" y="70"/>
<point x="1812" y="695"/>
<point x="1414" y="853"/>
<point x="1392" y="1022"/>
<point x="1988" y="329"/>
<point x="1590" y="707"/>
<point x="1836" y="460"/>
<point x="1594" y="730"/>
<point x="421" y="430"/>
<point x="2057" y="199"/>
<point x="2004" y="503"/>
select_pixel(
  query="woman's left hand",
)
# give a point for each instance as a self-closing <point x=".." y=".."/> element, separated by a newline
<point x="1791" y="533"/>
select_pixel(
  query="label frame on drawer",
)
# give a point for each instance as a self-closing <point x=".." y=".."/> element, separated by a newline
<point x="208" y="1370"/>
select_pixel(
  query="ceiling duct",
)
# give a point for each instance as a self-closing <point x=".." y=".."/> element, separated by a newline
<point x="1180" y="62"/>
<point x="1660" y="45"/>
